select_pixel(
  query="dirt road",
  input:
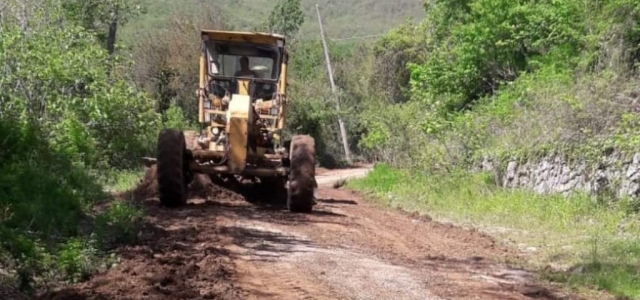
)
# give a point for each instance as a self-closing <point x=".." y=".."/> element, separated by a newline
<point x="227" y="245"/>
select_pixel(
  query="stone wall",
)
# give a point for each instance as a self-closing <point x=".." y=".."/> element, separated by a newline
<point x="615" y="175"/>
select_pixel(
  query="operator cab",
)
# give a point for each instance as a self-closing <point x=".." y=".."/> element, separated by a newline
<point x="237" y="67"/>
<point x="242" y="76"/>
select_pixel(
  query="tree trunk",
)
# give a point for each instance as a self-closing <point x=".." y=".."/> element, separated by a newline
<point x="23" y="17"/>
<point x="113" y="29"/>
<point x="2" y="8"/>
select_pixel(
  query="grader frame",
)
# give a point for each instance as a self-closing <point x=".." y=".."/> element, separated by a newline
<point x="242" y="101"/>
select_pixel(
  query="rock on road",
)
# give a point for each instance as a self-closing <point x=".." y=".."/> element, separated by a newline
<point x="223" y="245"/>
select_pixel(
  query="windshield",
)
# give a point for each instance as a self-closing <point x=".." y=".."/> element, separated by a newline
<point x="243" y="60"/>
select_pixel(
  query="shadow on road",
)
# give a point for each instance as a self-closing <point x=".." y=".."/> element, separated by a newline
<point x="334" y="201"/>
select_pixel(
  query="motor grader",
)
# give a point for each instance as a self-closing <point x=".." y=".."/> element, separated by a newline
<point x="242" y="101"/>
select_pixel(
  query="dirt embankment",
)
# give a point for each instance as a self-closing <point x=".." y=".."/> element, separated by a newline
<point x="237" y="244"/>
<point x="178" y="255"/>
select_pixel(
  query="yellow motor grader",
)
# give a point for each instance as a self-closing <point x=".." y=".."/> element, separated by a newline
<point x="242" y="101"/>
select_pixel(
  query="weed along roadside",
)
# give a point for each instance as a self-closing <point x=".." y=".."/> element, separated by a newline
<point x="569" y="239"/>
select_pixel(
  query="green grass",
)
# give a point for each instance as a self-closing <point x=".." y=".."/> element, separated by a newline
<point x="585" y="243"/>
<point x="77" y="259"/>
<point x="614" y="268"/>
<point x="118" y="224"/>
<point x="123" y="180"/>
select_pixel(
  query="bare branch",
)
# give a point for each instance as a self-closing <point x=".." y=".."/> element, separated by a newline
<point x="23" y="17"/>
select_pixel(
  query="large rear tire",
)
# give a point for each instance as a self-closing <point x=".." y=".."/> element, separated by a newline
<point x="172" y="168"/>
<point x="302" y="181"/>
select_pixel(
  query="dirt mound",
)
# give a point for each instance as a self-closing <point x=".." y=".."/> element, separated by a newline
<point x="201" y="187"/>
<point x="148" y="186"/>
<point x="161" y="277"/>
<point x="177" y="257"/>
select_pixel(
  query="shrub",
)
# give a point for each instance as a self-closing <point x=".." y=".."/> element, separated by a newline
<point x="77" y="259"/>
<point x="67" y="114"/>
<point x="175" y="118"/>
<point x="118" y="224"/>
<point x="494" y="77"/>
<point x="65" y="88"/>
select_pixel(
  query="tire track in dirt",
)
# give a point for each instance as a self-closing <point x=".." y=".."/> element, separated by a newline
<point x="237" y="245"/>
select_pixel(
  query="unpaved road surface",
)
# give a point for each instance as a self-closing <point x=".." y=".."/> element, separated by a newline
<point x="234" y="245"/>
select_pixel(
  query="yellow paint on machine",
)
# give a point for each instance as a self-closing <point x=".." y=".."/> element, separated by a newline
<point x="243" y="87"/>
<point x="238" y="115"/>
<point x="249" y="37"/>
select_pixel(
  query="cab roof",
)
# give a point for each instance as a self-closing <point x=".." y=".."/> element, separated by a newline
<point x="240" y="36"/>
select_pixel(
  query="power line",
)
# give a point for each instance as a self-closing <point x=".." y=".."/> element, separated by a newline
<point x="358" y="37"/>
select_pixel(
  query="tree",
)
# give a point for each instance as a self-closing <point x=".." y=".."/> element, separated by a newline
<point x="102" y="17"/>
<point x="165" y="59"/>
<point x="286" y="18"/>
<point x="30" y="15"/>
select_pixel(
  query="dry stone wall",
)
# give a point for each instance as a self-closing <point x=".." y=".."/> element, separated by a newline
<point x="615" y="175"/>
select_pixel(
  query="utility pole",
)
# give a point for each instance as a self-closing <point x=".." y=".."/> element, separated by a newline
<point x="23" y="16"/>
<point x="2" y="8"/>
<point x="343" y="131"/>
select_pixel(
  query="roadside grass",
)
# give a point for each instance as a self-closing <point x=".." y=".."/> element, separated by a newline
<point x="613" y="266"/>
<point x="123" y="180"/>
<point x="575" y="239"/>
<point x="118" y="224"/>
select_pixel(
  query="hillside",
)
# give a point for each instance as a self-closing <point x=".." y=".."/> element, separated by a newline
<point x="343" y="19"/>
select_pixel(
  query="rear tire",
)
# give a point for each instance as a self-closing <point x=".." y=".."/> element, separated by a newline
<point x="302" y="181"/>
<point x="172" y="168"/>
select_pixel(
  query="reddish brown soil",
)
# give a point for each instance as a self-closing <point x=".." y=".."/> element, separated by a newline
<point x="229" y="245"/>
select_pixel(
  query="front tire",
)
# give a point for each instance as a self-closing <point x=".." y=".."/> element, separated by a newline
<point x="302" y="181"/>
<point x="172" y="168"/>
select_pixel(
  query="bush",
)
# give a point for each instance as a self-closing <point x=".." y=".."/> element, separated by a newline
<point x="118" y="224"/>
<point x="44" y="197"/>
<point x="44" y="191"/>
<point x="67" y="116"/>
<point x="175" y="118"/>
<point x="65" y="87"/>
<point x="77" y="259"/>
<point x="497" y="78"/>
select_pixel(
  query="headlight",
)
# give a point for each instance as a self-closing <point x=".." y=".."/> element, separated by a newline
<point x="207" y="104"/>
<point x="215" y="131"/>
<point x="273" y="111"/>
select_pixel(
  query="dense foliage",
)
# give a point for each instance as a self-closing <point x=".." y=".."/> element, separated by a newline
<point x="68" y="116"/>
<point x="493" y="77"/>
<point x="64" y="88"/>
